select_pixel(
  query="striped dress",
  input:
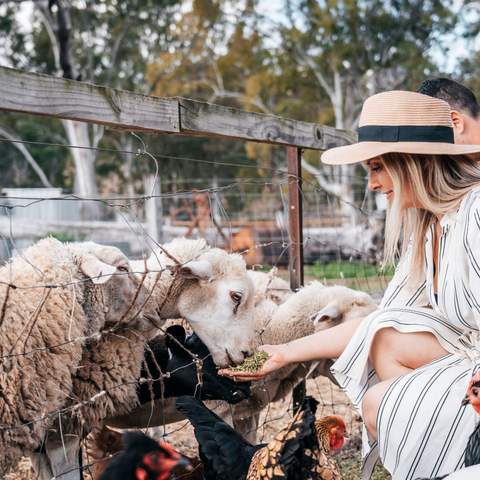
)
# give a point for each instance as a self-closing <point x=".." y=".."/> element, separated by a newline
<point x="422" y="427"/>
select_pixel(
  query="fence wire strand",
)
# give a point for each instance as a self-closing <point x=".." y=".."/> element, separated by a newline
<point x="220" y="216"/>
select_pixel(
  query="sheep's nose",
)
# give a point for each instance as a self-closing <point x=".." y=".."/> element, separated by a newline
<point x="246" y="353"/>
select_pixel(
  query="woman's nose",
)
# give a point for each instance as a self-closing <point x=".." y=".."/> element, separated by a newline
<point x="373" y="184"/>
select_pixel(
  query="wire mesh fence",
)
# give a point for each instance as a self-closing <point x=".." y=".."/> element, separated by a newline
<point x="245" y="214"/>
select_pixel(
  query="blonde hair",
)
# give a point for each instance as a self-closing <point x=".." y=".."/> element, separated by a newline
<point x="437" y="184"/>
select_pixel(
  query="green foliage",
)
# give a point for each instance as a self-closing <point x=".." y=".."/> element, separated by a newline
<point x="352" y="49"/>
<point x="65" y="237"/>
<point x="344" y="269"/>
<point x="53" y="160"/>
<point x="111" y="43"/>
<point x="221" y="51"/>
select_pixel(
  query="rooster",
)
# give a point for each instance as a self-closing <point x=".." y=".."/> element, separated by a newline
<point x="144" y="459"/>
<point x="300" y="451"/>
<point x="472" y="452"/>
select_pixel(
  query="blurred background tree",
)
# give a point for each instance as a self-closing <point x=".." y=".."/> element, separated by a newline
<point x="313" y="60"/>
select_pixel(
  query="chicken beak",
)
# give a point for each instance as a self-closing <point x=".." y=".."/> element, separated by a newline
<point x="465" y="401"/>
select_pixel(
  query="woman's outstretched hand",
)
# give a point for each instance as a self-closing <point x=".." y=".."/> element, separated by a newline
<point x="276" y="360"/>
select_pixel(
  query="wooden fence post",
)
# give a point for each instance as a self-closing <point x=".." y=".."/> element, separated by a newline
<point x="295" y="220"/>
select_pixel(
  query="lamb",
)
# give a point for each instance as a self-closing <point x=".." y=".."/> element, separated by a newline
<point x="53" y="297"/>
<point x="312" y="308"/>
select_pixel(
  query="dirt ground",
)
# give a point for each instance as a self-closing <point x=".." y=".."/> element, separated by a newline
<point x="274" y="418"/>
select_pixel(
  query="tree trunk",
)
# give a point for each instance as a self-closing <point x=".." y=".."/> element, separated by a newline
<point x="28" y="157"/>
<point x="153" y="209"/>
<point x="85" y="185"/>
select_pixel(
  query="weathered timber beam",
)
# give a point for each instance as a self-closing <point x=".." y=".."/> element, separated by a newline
<point x="68" y="99"/>
<point x="197" y="118"/>
<point x="38" y="94"/>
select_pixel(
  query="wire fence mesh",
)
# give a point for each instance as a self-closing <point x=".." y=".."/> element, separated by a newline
<point x="246" y="214"/>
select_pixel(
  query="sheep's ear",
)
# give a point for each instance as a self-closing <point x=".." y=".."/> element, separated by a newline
<point x="197" y="269"/>
<point x="98" y="271"/>
<point x="327" y="313"/>
<point x="178" y="333"/>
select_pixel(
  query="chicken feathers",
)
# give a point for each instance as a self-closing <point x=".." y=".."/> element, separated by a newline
<point x="298" y="452"/>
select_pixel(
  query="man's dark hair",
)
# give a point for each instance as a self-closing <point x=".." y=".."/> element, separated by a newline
<point x="458" y="96"/>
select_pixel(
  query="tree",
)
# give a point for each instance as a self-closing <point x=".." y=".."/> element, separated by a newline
<point x="352" y="49"/>
<point x="106" y="42"/>
<point x="332" y="54"/>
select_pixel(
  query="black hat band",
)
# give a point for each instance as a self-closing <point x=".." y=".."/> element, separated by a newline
<point x="406" y="133"/>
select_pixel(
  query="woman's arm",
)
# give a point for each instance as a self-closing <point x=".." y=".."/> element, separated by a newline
<point x="328" y="343"/>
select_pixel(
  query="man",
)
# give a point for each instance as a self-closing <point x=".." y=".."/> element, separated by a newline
<point x="465" y="109"/>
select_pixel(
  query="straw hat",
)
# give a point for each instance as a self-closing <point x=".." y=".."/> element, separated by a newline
<point x="403" y="122"/>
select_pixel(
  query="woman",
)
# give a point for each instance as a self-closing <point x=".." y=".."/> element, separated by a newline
<point x="406" y="366"/>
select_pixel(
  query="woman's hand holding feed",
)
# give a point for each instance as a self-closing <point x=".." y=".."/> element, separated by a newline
<point x="277" y="359"/>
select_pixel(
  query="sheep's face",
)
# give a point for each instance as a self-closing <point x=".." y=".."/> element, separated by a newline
<point x="219" y="307"/>
<point x="344" y="304"/>
<point x="115" y="294"/>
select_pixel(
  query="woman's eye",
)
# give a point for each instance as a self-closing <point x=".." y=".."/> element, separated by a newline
<point x="376" y="168"/>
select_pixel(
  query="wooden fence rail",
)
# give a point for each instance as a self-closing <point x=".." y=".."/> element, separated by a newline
<point x="38" y="94"/>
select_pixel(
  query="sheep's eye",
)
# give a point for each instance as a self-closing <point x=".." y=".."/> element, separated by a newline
<point x="236" y="297"/>
<point x="122" y="268"/>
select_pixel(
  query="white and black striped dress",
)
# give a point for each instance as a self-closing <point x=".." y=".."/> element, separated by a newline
<point x="422" y="427"/>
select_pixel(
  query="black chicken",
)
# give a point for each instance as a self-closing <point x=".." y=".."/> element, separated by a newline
<point x="144" y="459"/>
<point x="300" y="451"/>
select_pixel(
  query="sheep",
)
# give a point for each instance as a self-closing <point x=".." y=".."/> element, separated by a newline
<point x="53" y="297"/>
<point x="206" y="286"/>
<point x="268" y="285"/>
<point x="312" y="308"/>
<point x="210" y="289"/>
<point x="184" y="278"/>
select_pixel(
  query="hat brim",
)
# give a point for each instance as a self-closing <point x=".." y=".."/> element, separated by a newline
<point x="363" y="151"/>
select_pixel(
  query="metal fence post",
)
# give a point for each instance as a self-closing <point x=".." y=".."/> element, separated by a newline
<point x="295" y="220"/>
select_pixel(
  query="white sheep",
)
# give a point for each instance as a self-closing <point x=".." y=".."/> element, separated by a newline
<point x="269" y="286"/>
<point x="184" y="278"/>
<point x="210" y="289"/>
<point x="312" y="308"/>
<point x="52" y="297"/>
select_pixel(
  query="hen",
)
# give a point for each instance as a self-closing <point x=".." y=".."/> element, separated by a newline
<point x="300" y="451"/>
<point x="144" y="459"/>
